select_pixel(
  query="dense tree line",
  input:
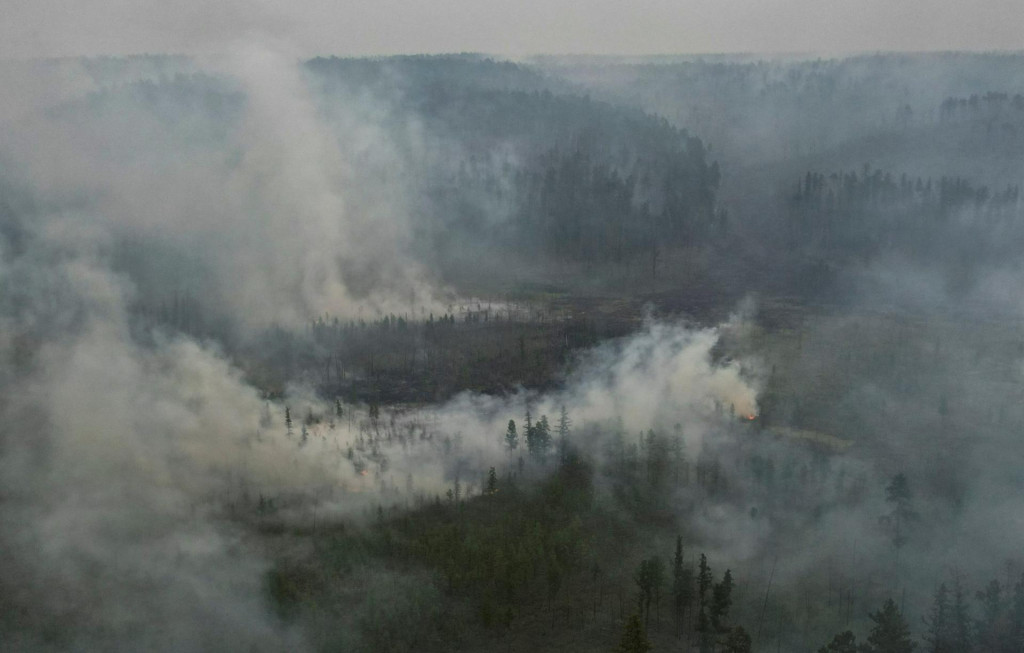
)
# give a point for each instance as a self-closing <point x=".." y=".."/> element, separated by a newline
<point x="398" y="358"/>
<point x="991" y="106"/>
<point x="766" y="109"/>
<point x="871" y="212"/>
<point x="543" y="173"/>
<point x="997" y="626"/>
<point x="575" y="207"/>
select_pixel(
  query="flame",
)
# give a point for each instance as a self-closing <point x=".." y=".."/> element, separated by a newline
<point x="363" y="473"/>
<point x="751" y="417"/>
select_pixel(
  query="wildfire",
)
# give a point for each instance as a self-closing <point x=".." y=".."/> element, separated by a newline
<point x="751" y="417"/>
<point x="363" y="473"/>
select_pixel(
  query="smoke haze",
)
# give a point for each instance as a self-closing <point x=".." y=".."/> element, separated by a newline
<point x="263" y="318"/>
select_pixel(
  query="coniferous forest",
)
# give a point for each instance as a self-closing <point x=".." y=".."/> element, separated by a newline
<point x="465" y="353"/>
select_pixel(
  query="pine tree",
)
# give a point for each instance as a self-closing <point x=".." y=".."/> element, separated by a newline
<point x="649" y="578"/>
<point x="890" y="633"/>
<point x="492" y="481"/>
<point x="682" y="585"/>
<point x="563" y="428"/>
<point x="705" y="631"/>
<point x="845" y="642"/>
<point x="704" y="579"/>
<point x="543" y="436"/>
<point x="1017" y="616"/>
<point x="511" y="437"/>
<point x="679" y="475"/>
<point x="990" y="628"/>
<point x="538" y="437"/>
<point x="898" y="494"/>
<point x="657" y="463"/>
<point x="960" y="620"/>
<point x="634" y="640"/>
<point x="564" y="423"/>
<point x="939" y="623"/>
<point x="288" y="420"/>
<point x="721" y="601"/>
<point x="705" y="636"/>
<point x="737" y="641"/>
<point x="528" y="433"/>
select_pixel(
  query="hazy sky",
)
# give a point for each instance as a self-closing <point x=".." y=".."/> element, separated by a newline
<point x="71" y="27"/>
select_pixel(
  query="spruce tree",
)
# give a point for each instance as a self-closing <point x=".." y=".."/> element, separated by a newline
<point x="705" y="634"/>
<point x="890" y="633"/>
<point x="528" y="434"/>
<point x="990" y="628"/>
<point x="679" y="475"/>
<point x="960" y="620"/>
<point x="721" y="601"/>
<point x="737" y="641"/>
<point x="564" y="425"/>
<point x="538" y="436"/>
<point x="1017" y="616"/>
<point x="845" y="642"/>
<point x="705" y="631"/>
<point x="682" y="585"/>
<point x="899" y="496"/>
<point x="511" y="437"/>
<point x="492" y="481"/>
<point x="542" y="437"/>
<point x="634" y="640"/>
<point x="939" y="623"/>
<point x="704" y="579"/>
<point x="649" y="578"/>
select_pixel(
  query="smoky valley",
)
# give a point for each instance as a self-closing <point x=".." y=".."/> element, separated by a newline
<point x="555" y="353"/>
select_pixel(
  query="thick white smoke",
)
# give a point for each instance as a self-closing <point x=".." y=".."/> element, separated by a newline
<point x="124" y="447"/>
<point x="275" y="215"/>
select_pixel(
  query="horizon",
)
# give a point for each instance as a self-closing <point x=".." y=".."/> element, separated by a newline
<point x="648" y="28"/>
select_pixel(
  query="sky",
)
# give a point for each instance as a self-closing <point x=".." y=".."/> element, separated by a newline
<point x="49" y="28"/>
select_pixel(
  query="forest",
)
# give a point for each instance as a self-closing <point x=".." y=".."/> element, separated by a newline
<point x="714" y="353"/>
